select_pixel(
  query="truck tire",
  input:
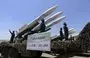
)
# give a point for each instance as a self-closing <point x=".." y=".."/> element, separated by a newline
<point x="38" y="55"/>
<point x="13" y="53"/>
<point x="4" y="52"/>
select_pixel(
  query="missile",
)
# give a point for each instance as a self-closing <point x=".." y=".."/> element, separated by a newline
<point x="72" y="31"/>
<point x="51" y="24"/>
<point x="23" y="27"/>
<point x="53" y="17"/>
<point x="48" y="12"/>
<point x="55" y="22"/>
<point x="27" y="28"/>
<point x="36" y="21"/>
<point x="48" y="29"/>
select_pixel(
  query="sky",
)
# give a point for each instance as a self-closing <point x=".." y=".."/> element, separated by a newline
<point x="15" y="13"/>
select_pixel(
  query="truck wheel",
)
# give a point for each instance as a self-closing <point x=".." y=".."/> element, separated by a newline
<point x="13" y="53"/>
<point x="39" y="53"/>
<point x="35" y="54"/>
<point x="4" y="52"/>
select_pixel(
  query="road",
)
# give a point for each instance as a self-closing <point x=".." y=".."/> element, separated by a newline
<point x="45" y="55"/>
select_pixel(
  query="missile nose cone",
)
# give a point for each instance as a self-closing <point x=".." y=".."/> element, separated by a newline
<point x="55" y="6"/>
<point x="59" y="12"/>
<point x="56" y="15"/>
<point x="49" y="11"/>
<point x="53" y="17"/>
<point x="52" y="8"/>
<point x="56" y="21"/>
<point x="62" y="17"/>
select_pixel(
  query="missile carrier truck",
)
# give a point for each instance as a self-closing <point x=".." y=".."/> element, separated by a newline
<point x="80" y="45"/>
<point x="17" y="47"/>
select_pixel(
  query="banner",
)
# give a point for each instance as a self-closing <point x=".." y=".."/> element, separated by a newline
<point x="39" y="41"/>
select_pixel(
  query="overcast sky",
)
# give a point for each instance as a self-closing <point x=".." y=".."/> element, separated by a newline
<point x="15" y="13"/>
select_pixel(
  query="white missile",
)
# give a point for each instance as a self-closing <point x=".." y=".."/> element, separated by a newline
<point x="53" y="17"/>
<point x="35" y="22"/>
<point x="46" y="13"/>
<point x="55" y="22"/>
<point x="72" y="31"/>
<point x="23" y="27"/>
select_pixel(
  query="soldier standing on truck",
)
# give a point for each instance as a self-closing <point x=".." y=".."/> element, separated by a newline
<point x="66" y="33"/>
<point x="12" y="36"/>
<point x="42" y="26"/>
<point x="61" y="34"/>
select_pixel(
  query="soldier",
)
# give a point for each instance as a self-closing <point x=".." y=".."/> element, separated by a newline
<point x="42" y="26"/>
<point x="12" y="36"/>
<point x="42" y="29"/>
<point x="71" y="38"/>
<point x="66" y="33"/>
<point x="61" y="34"/>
